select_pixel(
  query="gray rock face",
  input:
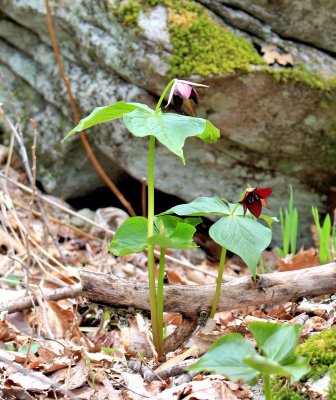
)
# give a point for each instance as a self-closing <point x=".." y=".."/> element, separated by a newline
<point x="307" y="21"/>
<point x="273" y="132"/>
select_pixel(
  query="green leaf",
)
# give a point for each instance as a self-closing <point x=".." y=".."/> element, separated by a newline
<point x="298" y="368"/>
<point x="33" y="348"/>
<point x="200" y="207"/>
<point x="243" y="236"/>
<point x="269" y="219"/>
<point x="131" y="237"/>
<point x="225" y="357"/>
<point x="170" y="129"/>
<point x="211" y="133"/>
<point x="174" y="232"/>
<point x="265" y="365"/>
<point x="276" y="341"/>
<point x="105" y="114"/>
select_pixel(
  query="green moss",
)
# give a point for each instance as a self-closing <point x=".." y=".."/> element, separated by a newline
<point x="332" y="384"/>
<point x="128" y="12"/>
<point x="200" y="45"/>
<point x="309" y="78"/>
<point x="321" y="351"/>
<point x="203" y="47"/>
<point x="281" y="390"/>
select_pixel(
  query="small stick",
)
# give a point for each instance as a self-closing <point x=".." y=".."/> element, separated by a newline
<point x="33" y="183"/>
<point x="48" y="332"/>
<point x="61" y="222"/>
<point x="26" y="302"/>
<point x="24" y="156"/>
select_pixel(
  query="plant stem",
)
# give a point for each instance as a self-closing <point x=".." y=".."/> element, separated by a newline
<point x="150" y="232"/>
<point x="159" y="298"/>
<point x="267" y="387"/>
<point x="170" y="84"/>
<point x="219" y="283"/>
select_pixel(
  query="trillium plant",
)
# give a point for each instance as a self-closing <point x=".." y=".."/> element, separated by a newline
<point x="238" y="228"/>
<point x="171" y="130"/>
<point x="236" y="358"/>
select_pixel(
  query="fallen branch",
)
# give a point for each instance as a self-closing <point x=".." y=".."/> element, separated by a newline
<point x="271" y="288"/>
<point x="48" y="295"/>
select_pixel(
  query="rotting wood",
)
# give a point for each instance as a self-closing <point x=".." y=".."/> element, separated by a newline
<point x="273" y="288"/>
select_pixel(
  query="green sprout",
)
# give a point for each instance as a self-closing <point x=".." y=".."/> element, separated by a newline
<point x="236" y="358"/>
<point x="326" y="235"/>
<point x="289" y="226"/>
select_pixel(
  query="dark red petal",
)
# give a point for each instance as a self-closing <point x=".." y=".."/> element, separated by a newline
<point x="194" y="96"/>
<point x="178" y="101"/>
<point x="264" y="203"/>
<point x="263" y="192"/>
<point x="255" y="208"/>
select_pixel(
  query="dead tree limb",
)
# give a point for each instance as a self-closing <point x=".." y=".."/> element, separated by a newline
<point x="48" y="295"/>
<point x="273" y="288"/>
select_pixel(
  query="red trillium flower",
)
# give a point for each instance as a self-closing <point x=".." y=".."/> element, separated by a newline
<point x="255" y="199"/>
<point x="182" y="92"/>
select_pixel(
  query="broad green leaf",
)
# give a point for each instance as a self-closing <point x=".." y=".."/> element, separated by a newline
<point x="170" y="129"/>
<point x="265" y="365"/>
<point x="269" y="219"/>
<point x="200" y="207"/>
<point x="105" y="114"/>
<point x="297" y="368"/>
<point x="225" y="357"/>
<point x="174" y="233"/>
<point x="276" y="341"/>
<point x="243" y="236"/>
<point x="131" y="237"/>
<point x="211" y="133"/>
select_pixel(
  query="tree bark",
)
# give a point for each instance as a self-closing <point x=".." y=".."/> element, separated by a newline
<point x="271" y="288"/>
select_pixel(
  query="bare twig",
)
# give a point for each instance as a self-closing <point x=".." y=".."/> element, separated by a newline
<point x="33" y="182"/>
<point x="28" y="170"/>
<point x="149" y="375"/>
<point x="74" y="107"/>
<point x="47" y="329"/>
<point x="49" y="295"/>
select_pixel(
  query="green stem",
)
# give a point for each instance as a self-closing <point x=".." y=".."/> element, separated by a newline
<point x="150" y="233"/>
<point x="267" y="387"/>
<point x="159" y="300"/>
<point x="240" y="199"/>
<point x="170" y="84"/>
<point x="219" y="283"/>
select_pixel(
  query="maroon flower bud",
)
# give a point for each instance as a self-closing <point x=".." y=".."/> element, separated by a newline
<point x="255" y="199"/>
<point x="182" y="92"/>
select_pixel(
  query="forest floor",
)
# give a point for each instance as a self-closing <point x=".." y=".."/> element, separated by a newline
<point x="69" y="348"/>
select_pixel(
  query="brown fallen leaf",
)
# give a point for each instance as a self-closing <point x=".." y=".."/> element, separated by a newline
<point x="303" y="259"/>
<point x="32" y="381"/>
<point x="272" y="55"/>
<point x="315" y="324"/>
